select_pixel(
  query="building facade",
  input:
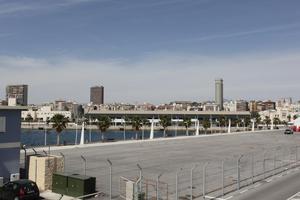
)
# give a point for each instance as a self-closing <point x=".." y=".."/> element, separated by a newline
<point x="219" y="93"/>
<point x="97" y="95"/>
<point x="44" y="113"/>
<point x="19" y="92"/>
<point x="10" y="133"/>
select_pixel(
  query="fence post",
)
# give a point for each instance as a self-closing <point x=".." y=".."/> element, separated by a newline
<point x="64" y="160"/>
<point x="222" y="178"/>
<point x="176" y="184"/>
<point x="141" y="177"/>
<point x="157" y="185"/>
<point x="84" y="164"/>
<point x="252" y="168"/>
<point x="239" y="172"/>
<point x="110" y="178"/>
<point x="35" y="170"/>
<point x="274" y="163"/>
<point x="296" y="154"/>
<point x="204" y="179"/>
<point x="192" y="170"/>
<point x="264" y="166"/>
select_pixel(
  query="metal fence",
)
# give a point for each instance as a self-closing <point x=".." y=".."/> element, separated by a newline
<point x="201" y="180"/>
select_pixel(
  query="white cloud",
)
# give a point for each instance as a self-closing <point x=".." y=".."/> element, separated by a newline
<point x="155" y="78"/>
<point x="26" y="6"/>
<point x="244" y="33"/>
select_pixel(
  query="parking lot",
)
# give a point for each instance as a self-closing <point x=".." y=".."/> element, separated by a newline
<point x="166" y="157"/>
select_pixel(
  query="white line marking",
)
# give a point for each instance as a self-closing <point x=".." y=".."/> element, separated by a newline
<point x="228" y="197"/>
<point x="243" y="191"/>
<point x="270" y="180"/>
<point x="209" y="197"/>
<point x="295" y="195"/>
<point x="257" y="185"/>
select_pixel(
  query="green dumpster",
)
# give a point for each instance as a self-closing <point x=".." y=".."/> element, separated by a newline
<point x="60" y="183"/>
<point x="80" y="185"/>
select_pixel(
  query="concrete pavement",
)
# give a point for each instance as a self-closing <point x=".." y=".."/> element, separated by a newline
<point x="167" y="156"/>
<point x="281" y="189"/>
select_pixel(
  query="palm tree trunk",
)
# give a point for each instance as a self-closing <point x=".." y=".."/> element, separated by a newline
<point x="187" y="131"/>
<point x="136" y="135"/>
<point x="102" y="137"/>
<point x="164" y="132"/>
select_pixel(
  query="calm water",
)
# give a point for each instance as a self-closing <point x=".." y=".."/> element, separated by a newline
<point x="68" y="137"/>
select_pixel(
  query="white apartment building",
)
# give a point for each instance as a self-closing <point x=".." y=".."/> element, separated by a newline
<point x="44" y="113"/>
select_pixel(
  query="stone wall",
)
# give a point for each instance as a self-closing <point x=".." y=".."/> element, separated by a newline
<point x="41" y="169"/>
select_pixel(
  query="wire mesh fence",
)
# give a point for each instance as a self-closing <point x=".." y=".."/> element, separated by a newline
<point x="202" y="179"/>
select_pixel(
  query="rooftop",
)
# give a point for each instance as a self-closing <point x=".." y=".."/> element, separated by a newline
<point x="13" y="107"/>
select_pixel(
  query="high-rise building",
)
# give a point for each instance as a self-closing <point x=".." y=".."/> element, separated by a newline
<point x="219" y="93"/>
<point x="19" y="92"/>
<point x="97" y="95"/>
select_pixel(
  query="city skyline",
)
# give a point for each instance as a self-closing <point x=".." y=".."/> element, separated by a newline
<point x="150" y="51"/>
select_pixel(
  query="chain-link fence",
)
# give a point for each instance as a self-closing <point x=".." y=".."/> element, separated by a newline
<point x="210" y="178"/>
<point x="203" y="179"/>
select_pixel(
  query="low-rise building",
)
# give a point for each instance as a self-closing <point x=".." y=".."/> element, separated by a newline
<point x="44" y="113"/>
<point x="10" y="134"/>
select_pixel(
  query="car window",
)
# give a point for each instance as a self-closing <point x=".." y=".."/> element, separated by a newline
<point x="29" y="188"/>
<point x="9" y="187"/>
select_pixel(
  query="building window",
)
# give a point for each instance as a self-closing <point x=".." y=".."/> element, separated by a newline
<point x="2" y="124"/>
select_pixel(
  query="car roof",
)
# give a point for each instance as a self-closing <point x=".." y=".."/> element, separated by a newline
<point x="22" y="181"/>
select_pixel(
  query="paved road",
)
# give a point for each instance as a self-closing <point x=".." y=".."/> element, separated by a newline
<point x="166" y="157"/>
<point x="282" y="189"/>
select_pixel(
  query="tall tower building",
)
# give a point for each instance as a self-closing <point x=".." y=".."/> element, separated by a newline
<point x="97" y="95"/>
<point x="219" y="93"/>
<point x="19" y="92"/>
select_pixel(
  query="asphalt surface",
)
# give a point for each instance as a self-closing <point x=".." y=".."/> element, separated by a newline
<point x="281" y="189"/>
<point x="169" y="156"/>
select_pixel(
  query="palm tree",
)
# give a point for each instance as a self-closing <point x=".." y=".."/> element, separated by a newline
<point x="206" y="124"/>
<point x="276" y="121"/>
<point x="145" y="122"/>
<point x="267" y="121"/>
<point x="256" y="116"/>
<point x="247" y="121"/>
<point x="59" y="123"/>
<point x="103" y="124"/>
<point x="136" y="123"/>
<point x="126" y="121"/>
<point x="187" y="122"/>
<point x="289" y="117"/>
<point x="222" y="121"/>
<point x="28" y="118"/>
<point x="165" y="121"/>
<point x="238" y="122"/>
<point x="295" y="117"/>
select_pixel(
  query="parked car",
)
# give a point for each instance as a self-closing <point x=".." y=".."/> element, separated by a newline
<point x="20" y="190"/>
<point x="288" y="131"/>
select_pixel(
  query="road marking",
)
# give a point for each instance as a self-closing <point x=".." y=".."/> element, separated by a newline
<point x="295" y="196"/>
<point x="243" y="191"/>
<point x="228" y="197"/>
<point x="279" y="176"/>
<point x="210" y="197"/>
<point x="259" y="184"/>
<point x="269" y="180"/>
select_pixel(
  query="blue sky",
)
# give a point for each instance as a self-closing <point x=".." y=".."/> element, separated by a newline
<point x="151" y="50"/>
